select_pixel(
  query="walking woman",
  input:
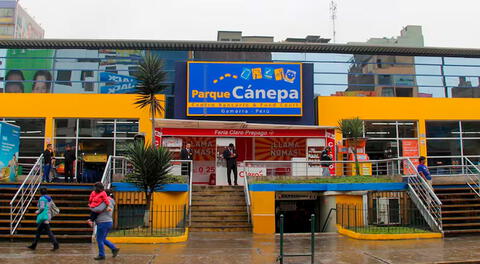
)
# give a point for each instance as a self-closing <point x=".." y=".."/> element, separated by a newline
<point x="43" y="220"/>
<point x="104" y="223"/>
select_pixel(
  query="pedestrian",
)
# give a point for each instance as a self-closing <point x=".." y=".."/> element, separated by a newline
<point x="186" y="154"/>
<point x="48" y="160"/>
<point x="230" y="155"/>
<point x="423" y="170"/>
<point x="104" y="223"/>
<point x="44" y="216"/>
<point x="70" y="158"/>
<point x="95" y="201"/>
<point x="326" y="155"/>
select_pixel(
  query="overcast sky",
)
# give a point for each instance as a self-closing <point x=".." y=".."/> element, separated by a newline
<point x="445" y="23"/>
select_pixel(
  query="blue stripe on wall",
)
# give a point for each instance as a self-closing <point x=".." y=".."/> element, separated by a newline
<point x="396" y="186"/>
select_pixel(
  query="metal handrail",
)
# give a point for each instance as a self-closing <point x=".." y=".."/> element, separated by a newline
<point x="246" y="189"/>
<point x="107" y="174"/>
<point x="425" y="199"/>
<point x="475" y="186"/>
<point x="25" y="195"/>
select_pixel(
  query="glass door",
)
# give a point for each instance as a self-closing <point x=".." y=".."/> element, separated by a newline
<point x="221" y="163"/>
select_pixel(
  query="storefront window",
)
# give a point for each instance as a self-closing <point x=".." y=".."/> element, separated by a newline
<point x="407" y="129"/>
<point x="443" y="147"/>
<point x="442" y="129"/>
<point x="29" y="127"/>
<point x="380" y="129"/>
<point x="96" y="127"/>
<point x="126" y="128"/>
<point x="471" y="129"/>
<point x="66" y="127"/>
<point x="471" y="147"/>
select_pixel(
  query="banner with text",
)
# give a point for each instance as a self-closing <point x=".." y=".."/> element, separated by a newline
<point x="244" y="89"/>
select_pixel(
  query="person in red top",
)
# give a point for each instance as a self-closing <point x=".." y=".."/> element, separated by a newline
<point x="97" y="197"/>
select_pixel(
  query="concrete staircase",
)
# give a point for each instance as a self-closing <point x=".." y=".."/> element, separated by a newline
<point x="69" y="226"/>
<point x="219" y="209"/>
<point x="460" y="209"/>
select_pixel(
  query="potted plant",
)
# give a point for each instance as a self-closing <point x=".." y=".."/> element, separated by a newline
<point x="352" y="131"/>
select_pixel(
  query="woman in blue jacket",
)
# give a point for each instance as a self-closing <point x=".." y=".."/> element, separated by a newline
<point x="43" y="220"/>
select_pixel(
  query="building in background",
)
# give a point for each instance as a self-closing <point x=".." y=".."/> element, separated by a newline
<point x="380" y="75"/>
<point x="236" y="36"/>
<point x="16" y="23"/>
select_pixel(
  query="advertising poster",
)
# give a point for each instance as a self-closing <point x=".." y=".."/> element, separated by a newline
<point x="279" y="148"/>
<point x="120" y="83"/>
<point x="9" y="147"/>
<point x="27" y="75"/>
<point x="410" y="149"/>
<point x="244" y="89"/>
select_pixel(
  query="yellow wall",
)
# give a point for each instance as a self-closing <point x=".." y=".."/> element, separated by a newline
<point x="263" y="212"/>
<point x="51" y="106"/>
<point x="350" y="204"/>
<point x="168" y="207"/>
<point x="334" y="108"/>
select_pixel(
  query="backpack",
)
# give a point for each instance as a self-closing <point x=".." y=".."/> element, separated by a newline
<point x="54" y="210"/>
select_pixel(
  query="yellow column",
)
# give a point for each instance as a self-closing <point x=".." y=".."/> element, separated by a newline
<point x="422" y="132"/>
<point x="263" y="212"/>
<point x="49" y="133"/>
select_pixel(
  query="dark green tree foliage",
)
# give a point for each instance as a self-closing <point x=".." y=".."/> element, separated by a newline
<point x="151" y="167"/>
<point x="151" y="81"/>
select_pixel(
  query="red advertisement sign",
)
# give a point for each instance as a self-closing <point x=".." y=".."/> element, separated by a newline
<point x="410" y="149"/>
<point x="244" y="132"/>
<point x="279" y="148"/>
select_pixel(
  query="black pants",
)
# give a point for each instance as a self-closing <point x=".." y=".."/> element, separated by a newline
<point x="44" y="227"/>
<point x="68" y="172"/>
<point x="229" y="171"/>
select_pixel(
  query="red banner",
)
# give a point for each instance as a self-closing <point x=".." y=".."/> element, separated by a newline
<point x="410" y="149"/>
<point x="279" y="148"/>
<point x="245" y="132"/>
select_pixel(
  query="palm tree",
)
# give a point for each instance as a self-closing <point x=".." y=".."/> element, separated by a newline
<point x="151" y="81"/>
<point x="352" y="129"/>
<point x="151" y="169"/>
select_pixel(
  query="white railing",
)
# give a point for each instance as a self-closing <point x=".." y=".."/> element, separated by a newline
<point x="424" y="198"/>
<point x="247" y="198"/>
<point x="25" y="194"/>
<point x="472" y="175"/>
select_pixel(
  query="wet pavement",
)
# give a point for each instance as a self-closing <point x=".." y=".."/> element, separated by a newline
<point x="244" y="248"/>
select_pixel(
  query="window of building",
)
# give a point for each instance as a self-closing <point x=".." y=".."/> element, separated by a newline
<point x="451" y="141"/>
<point x="7" y="12"/>
<point x="64" y="77"/>
<point x="88" y="83"/>
<point x="389" y="139"/>
<point x="388" y="92"/>
<point x="6" y="30"/>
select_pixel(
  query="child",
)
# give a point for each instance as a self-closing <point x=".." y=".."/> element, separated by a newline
<point x="97" y="197"/>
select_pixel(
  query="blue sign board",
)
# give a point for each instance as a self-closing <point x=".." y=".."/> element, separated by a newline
<point x="244" y="89"/>
<point x="9" y="147"/>
<point x="122" y="83"/>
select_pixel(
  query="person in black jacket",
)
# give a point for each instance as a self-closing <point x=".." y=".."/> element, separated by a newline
<point x="186" y="154"/>
<point x="326" y="156"/>
<point x="48" y="160"/>
<point x="69" y="159"/>
<point x="230" y="155"/>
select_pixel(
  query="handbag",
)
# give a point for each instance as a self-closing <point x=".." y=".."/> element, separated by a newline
<point x="54" y="210"/>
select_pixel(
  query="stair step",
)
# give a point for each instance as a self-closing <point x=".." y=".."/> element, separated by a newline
<point x="52" y="190"/>
<point x="242" y="213"/>
<point x="58" y="229"/>
<point x="457" y="194"/>
<point x="53" y="221"/>
<point x="59" y="215"/>
<point x="218" y="203"/>
<point x="460" y="211"/>
<point x="57" y="202"/>
<point x="461" y="231"/>
<point x="25" y="236"/>
<point x="218" y="208"/>
<point x="461" y="218"/>
<point x="460" y="224"/>
<point x="460" y="200"/>
<point x="221" y="229"/>
<point x="219" y="218"/>
<point x="459" y="205"/>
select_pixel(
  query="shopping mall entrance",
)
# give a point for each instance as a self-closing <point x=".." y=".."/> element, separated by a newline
<point x="264" y="142"/>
